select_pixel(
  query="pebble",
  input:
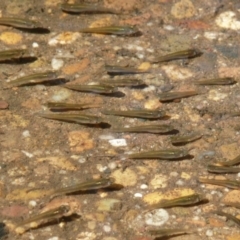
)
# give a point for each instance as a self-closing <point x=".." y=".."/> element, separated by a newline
<point x="61" y="95"/>
<point x="106" y="228"/>
<point x="157" y="217"/>
<point x="64" y="38"/>
<point x="209" y="233"/>
<point x="138" y="195"/>
<point x="57" y="63"/>
<point x="118" y="142"/>
<point x="180" y="183"/>
<point x="144" y="186"/>
<point x="54" y="238"/>
<point x="32" y="203"/>
<point x="26" y="134"/>
<point x="228" y="20"/>
<point x="35" y="45"/>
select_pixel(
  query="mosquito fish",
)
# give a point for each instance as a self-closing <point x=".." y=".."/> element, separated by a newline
<point x="77" y="118"/>
<point x="228" y="216"/>
<point x="100" y="88"/>
<point x="85" y="8"/>
<point x="185" y="54"/>
<point x="146" y="114"/>
<point x="217" y="81"/>
<point x="34" y="78"/>
<point x="234" y="184"/>
<point x="123" y="82"/>
<point x="113" y="30"/>
<point x="222" y="169"/>
<point x="114" y="70"/>
<point x="151" y="128"/>
<point x="168" y="154"/>
<point x="93" y="184"/>
<point x="180" y="201"/>
<point x="12" y="54"/>
<point x="170" y="96"/>
<point x="37" y="220"/>
<point x="160" y="233"/>
<point x="232" y="162"/>
<point x="19" y="23"/>
<point x="61" y="106"/>
<point x="185" y="138"/>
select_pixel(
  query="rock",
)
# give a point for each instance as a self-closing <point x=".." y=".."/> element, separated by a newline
<point x="183" y="9"/>
<point x="126" y="178"/>
<point x="10" y="38"/>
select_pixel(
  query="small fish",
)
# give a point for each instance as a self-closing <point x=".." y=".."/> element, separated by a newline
<point x="76" y="118"/>
<point x="99" y="88"/>
<point x="168" y="154"/>
<point x="222" y="169"/>
<point x="19" y="23"/>
<point x="93" y="184"/>
<point x="85" y="8"/>
<point x="228" y="216"/>
<point x="112" y="30"/>
<point x="12" y="54"/>
<point x="61" y="106"/>
<point x="185" y="54"/>
<point x="160" y="233"/>
<point x="170" y="96"/>
<point x="233" y="184"/>
<point x="183" y="139"/>
<point x="146" y="114"/>
<point x="44" y="217"/>
<point x="34" y="78"/>
<point x="151" y="128"/>
<point x="217" y="81"/>
<point x="123" y="82"/>
<point x="114" y="70"/>
<point x="180" y="201"/>
<point x="232" y="162"/>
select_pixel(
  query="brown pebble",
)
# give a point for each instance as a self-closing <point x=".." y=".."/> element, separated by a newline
<point x="3" y="104"/>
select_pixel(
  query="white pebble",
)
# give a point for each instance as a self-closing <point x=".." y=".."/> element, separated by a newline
<point x="180" y="183"/>
<point x="121" y="142"/>
<point x="144" y="186"/>
<point x="26" y="133"/>
<point x="32" y="203"/>
<point x="138" y="195"/>
<point x="228" y="20"/>
<point x="53" y="238"/>
<point x="209" y="233"/>
<point x="168" y="27"/>
<point x="238" y="175"/>
<point x="61" y="95"/>
<point x="35" y="45"/>
<point x="106" y="228"/>
<point x="157" y="217"/>
<point x="57" y="63"/>
<point x="149" y="89"/>
<point x="101" y="168"/>
<point x="106" y="137"/>
<point x="30" y="155"/>
<point x="112" y="165"/>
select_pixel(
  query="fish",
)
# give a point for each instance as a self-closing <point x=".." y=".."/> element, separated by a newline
<point x="184" y="54"/>
<point x="180" y="201"/>
<point x="19" y="23"/>
<point x="167" y="154"/>
<point x="144" y="113"/>
<point x="12" y="54"/>
<point x="222" y="169"/>
<point x="34" y="78"/>
<point x="41" y="218"/>
<point x="96" y="88"/>
<point x="151" y="128"/>
<point x="165" y="232"/>
<point x="228" y="216"/>
<point x="233" y="184"/>
<point x="123" y="82"/>
<point x="76" y="118"/>
<point x="217" y="81"/>
<point x="116" y="70"/>
<point x="85" y="8"/>
<point x="170" y="96"/>
<point x="112" y="30"/>
<point x="92" y="184"/>
<point x="61" y="106"/>
<point x="232" y="162"/>
<point x="183" y="139"/>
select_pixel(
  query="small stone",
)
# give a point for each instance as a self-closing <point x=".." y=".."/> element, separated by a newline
<point x="159" y="181"/>
<point x="156" y="217"/>
<point x="32" y="203"/>
<point x="118" y="142"/>
<point x="57" y="63"/>
<point x="177" y="73"/>
<point x="106" y="228"/>
<point x="216" y="95"/>
<point x="26" y="134"/>
<point x="183" y="9"/>
<point x="3" y="104"/>
<point x="209" y="233"/>
<point x="107" y="204"/>
<point x="138" y="195"/>
<point x="61" y="95"/>
<point x="35" y="45"/>
<point x="125" y="178"/>
<point x="76" y="67"/>
<point x="144" y="186"/>
<point x="230" y="151"/>
<point x="53" y="238"/>
<point x="10" y="38"/>
<point x="228" y="20"/>
<point x="92" y="225"/>
<point x="232" y="197"/>
<point x="64" y="38"/>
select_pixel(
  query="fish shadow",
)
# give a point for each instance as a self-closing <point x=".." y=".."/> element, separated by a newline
<point x="39" y="30"/>
<point x="22" y="60"/>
